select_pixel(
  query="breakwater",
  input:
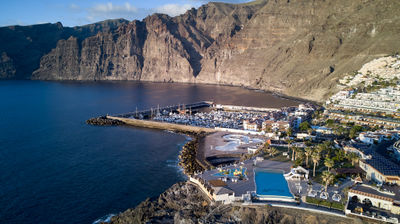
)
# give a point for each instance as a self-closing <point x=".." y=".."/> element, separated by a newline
<point x="146" y="114"/>
<point x="161" y="125"/>
<point x="103" y="121"/>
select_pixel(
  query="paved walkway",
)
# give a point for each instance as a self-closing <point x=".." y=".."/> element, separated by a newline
<point x="303" y="206"/>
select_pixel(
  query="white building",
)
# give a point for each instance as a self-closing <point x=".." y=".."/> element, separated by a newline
<point x="387" y="198"/>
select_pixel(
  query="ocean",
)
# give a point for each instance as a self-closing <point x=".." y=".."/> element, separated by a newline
<point x="54" y="168"/>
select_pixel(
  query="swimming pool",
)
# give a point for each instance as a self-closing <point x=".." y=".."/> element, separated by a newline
<point x="271" y="184"/>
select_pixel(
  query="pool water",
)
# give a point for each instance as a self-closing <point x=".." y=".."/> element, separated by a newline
<point x="271" y="183"/>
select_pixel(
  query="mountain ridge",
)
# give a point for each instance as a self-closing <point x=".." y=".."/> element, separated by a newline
<point x="298" y="48"/>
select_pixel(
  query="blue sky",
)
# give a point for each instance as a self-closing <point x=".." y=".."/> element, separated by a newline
<point x="80" y="12"/>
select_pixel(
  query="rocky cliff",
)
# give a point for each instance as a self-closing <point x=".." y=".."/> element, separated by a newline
<point x="296" y="47"/>
<point x="185" y="203"/>
<point x="22" y="47"/>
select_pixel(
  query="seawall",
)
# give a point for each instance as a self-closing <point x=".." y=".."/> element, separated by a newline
<point x="162" y="125"/>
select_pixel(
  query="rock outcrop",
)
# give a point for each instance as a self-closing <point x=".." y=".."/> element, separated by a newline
<point x="103" y="121"/>
<point x="299" y="48"/>
<point x="185" y="203"/>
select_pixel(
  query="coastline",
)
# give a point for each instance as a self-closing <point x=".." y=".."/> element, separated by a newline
<point x="187" y="194"/>
<point x="188" y="159"/>
<point x="273" y="93"/>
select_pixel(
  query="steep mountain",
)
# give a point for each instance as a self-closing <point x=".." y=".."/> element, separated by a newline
<point x="296" y="47"/>
<point x="22" y="47"/>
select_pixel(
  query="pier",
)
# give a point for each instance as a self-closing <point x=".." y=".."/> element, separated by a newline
<point x="143" y="118"/>
<point x="148" y="114"/>
<point x="161" y="125"/>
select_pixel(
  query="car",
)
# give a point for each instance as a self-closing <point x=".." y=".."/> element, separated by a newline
<point x="358" y="209"/>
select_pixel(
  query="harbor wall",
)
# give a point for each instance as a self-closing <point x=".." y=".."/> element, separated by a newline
<point x="161" y="125"/>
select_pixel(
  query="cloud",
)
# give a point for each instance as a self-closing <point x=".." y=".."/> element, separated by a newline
<point x="74" y="7"/>
<point x="109" y="10"/>
<point x="173" y="9"/>
<point x="128" y="11"/>
<point x="112" y="11"/>
<point x="226" y="1"/>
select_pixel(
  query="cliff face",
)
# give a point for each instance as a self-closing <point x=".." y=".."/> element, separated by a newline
<point x="297" y="47"/>
<point x="22" y="47"/>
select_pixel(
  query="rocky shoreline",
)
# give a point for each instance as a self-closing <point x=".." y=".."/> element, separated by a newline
<point x="184" y="203"/>
<point x="103" y="121"/>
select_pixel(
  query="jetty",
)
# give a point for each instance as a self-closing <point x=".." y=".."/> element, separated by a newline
<point x="143" y="118"/>
<point x="146" y="114"/>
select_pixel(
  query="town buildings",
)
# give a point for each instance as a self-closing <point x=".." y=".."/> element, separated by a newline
<point x="361" y="119"/>
<point x="377" y="137"/>
<point x="385" y="100"/>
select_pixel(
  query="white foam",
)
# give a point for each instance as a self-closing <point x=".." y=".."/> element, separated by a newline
<point x="106" y="219"/>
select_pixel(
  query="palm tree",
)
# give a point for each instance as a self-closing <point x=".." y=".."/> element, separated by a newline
<point x="308" y="152"/>
<point x="299" y="153"/>
<point x="315" y="158"/>
<point x="290" y="141"/>
<point x="353" y="157"/>
<point x="329" y="163"/>
<point x="289" y="132"/>
<point x="327" y="178"/>
<point x="273" y="151"/>
<point x="340" y="155"/>
<point x="266" y="147"/>
<point x="320" y="148"/>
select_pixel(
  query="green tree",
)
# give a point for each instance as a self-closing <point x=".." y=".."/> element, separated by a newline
<point x="330" y="123"/>
<point x="289" y="132"/>
<point x="294" y="149"/>
<point x="308" y="152"/>
<point x="266" y="147"/>
<point x="339" y="155"/>
<point x="299" y="154"/>
<point x="353" y="157"/>
<point x="290" y="141"/>
<point x="329" y="163"/>
<point x="354" y="131"/>
<point x="304" y="126"/>
<point x="327" y="178"/>
<point x="316" y="156"/>
<point x="273" y="151"/>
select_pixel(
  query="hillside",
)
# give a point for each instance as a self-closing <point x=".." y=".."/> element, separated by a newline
<point x="299" y="48"/>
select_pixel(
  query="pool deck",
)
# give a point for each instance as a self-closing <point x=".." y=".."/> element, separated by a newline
<point x="212" y="141"/>
<point x="244" y="186"/>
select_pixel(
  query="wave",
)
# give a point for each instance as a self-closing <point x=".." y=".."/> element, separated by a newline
<point x="104" y="219"/>
<point x="175" y="164"/>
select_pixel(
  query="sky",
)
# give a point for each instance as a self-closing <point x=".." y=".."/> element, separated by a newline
<point x="81" y="12"/>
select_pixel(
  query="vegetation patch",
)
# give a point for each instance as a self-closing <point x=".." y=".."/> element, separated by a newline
<point x="325" y="203"/>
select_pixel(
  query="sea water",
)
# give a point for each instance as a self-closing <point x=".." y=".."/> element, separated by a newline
<point x="54" y="168"/>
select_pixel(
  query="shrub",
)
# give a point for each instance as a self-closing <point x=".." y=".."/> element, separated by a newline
<point x="337" y="205"/>
<point x="325" y="203"/>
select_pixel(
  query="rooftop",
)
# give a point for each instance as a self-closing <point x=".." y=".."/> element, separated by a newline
<point x="377" y="161"/>
<point x="388" y="193"/>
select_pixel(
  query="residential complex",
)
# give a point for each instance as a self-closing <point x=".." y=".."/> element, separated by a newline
<point x="362" y="119"/>
<point x="385" y="100"/>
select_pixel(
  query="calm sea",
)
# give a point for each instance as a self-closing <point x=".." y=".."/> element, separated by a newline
<point x="56" y="169"/>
